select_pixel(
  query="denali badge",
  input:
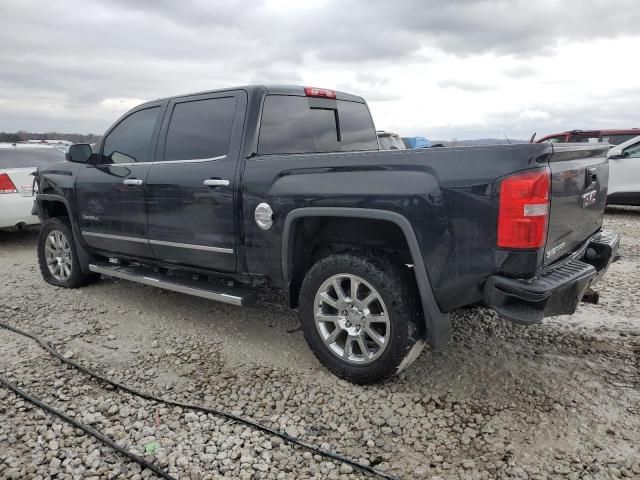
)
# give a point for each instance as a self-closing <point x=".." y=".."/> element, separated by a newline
<point x="557" y="249"/>
<point x="90" y="217"/>
<point x="589" y="198"/>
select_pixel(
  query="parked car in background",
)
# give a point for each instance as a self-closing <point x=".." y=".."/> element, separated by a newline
<point x="613" y="137"/>
<point x="17" y="164"/>
<point x="390" y="141"/>
<point x="624" y="173"/>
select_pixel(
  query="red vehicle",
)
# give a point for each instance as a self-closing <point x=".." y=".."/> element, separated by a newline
<point x="613" y="137"/>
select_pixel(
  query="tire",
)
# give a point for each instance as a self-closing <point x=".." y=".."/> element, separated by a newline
<point x="56" y="240"/>
<point x="396" y="294"/>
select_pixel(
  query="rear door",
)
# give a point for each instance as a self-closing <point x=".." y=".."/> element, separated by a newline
<point x="191" y="185"/>
<point x="579" y="179"/>
<point x="110" y="193"/>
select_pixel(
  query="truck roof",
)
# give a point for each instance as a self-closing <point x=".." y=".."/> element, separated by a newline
<point x="268" y="90"/>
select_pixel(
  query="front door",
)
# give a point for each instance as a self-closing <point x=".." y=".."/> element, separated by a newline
<point x="191" y="185"/>
<point x="110" y="192"/>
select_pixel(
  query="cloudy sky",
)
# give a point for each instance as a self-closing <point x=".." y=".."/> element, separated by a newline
<point x="444" y="69"/>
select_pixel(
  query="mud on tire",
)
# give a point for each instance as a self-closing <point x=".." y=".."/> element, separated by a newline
<point x="56" y="247"/>
<point x="323" y="310"/>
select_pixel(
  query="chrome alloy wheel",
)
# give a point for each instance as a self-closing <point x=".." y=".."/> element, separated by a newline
<point x="352" y="319"/>
<point x="58" y="255"/>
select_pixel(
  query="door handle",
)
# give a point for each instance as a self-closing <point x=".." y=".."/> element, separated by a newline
<point x="133" y="182"/>
<point x="216" y="182"/>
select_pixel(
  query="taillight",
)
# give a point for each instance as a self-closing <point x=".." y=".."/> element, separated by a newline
<point x="524" y="210"/>
<point x="319" y="92"/>
<point x="6" y="185"/>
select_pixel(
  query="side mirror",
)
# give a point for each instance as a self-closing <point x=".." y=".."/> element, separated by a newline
<point x="79" y="153"/>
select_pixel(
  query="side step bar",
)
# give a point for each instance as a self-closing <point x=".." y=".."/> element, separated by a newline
<point x="198" y="288"/>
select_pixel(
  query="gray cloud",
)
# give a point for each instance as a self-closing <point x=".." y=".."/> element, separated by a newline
<point x="60" y="60"/>
<point x="617" y="109"/>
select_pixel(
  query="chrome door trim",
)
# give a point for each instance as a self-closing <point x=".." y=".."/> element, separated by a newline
<point x="159" y="242"/>
<point x="191" y="246"/>
<point x="194" y="160"/>
<point x="115" y="237"/>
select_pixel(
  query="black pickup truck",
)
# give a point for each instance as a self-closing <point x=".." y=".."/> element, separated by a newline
<point x="218" y="193"/>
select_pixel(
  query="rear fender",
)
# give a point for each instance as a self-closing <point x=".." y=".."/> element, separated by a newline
<point x="437" y="323"/>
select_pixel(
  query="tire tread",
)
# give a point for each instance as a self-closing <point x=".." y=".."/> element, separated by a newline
<point x="395" y="283"/>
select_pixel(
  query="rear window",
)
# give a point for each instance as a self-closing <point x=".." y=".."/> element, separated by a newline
<point x="292" y="124"/>
<point x="27" y="156"/>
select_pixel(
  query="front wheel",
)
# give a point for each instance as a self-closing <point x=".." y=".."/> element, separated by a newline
<point x="57" y="256"/>
<point x="360" y="317"/>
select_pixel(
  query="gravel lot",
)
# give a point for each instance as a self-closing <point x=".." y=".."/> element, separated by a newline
<point x="558" y="400"/>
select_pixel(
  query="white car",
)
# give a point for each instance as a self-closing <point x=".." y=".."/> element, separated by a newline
<point x="17" y="163"/>
<point x="390" y="141"/>
<point x="624" y="173"/>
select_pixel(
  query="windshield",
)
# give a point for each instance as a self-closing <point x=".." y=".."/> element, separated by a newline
<point x="391" y="142"/>
<point x="26" y="156"/>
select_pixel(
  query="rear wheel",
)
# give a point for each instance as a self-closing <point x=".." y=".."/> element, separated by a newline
<point x="57" y="256"/>
<point x="360" y="317"/>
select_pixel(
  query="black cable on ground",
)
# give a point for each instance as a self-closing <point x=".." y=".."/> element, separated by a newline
<point x="88" y="430"/>
<point x="148" y="396"/>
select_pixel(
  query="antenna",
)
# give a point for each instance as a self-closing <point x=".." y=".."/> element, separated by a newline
<point x="505" y="136"/>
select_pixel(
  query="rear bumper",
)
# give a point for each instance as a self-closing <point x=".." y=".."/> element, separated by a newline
<point x="558" y="289"/>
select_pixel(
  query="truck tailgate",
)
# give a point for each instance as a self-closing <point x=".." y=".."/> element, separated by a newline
<point x="579" y="179"/>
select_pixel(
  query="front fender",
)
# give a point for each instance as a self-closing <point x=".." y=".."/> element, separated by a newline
<point x="84" y="256"/>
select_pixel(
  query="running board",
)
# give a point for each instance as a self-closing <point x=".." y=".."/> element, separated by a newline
<point x="198" y="288"/>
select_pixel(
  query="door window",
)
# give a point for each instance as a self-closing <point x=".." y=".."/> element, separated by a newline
<point x="632" y="152"/>
<point x="200" y="129"/>
<point x="130" y="140"/>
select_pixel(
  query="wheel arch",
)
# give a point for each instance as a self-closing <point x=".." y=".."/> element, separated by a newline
<point x="52" y="206"/>
<point x="437" y="323"/>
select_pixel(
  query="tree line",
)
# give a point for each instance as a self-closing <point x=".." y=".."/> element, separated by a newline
<point x="22" y="136"/>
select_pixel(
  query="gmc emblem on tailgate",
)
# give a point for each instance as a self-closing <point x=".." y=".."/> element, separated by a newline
<point x="589" y="198"/>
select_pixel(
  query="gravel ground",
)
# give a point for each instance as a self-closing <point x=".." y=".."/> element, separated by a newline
<point x="558" y="400"/>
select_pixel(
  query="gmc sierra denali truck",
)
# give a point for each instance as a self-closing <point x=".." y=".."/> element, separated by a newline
<point x="216" y="194"/>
